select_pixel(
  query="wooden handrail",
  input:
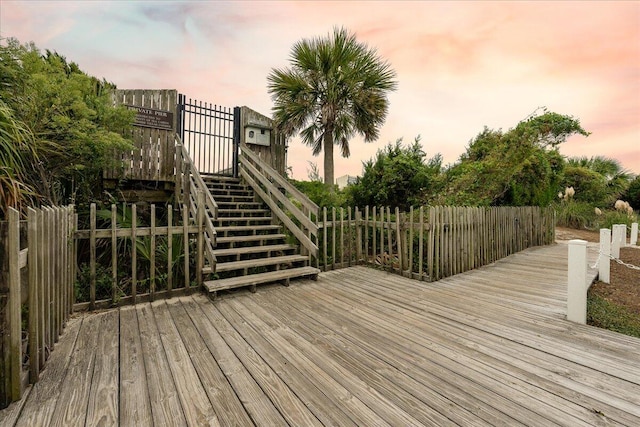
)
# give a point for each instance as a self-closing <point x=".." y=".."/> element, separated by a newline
<point x="194" y="184"/>
<point x="272" y="173"/>
<point x="259" y="176"/>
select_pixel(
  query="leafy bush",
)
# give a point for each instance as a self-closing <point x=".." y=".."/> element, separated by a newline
<point x="73" y="126"/>
<point x="521" y="166"/>
<point x="399" y="176"/>
<point x="611" y="217"/>
<point x="318" y="192"/>
<point x="632" y="195"/>
<point x="575" y="214"/>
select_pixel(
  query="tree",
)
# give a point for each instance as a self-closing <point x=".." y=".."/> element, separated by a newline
<point x="608" y="179"/>
<point x="633" y="193"/>
<point x="399" y="176"/>
<point x="336" y="88"/>
<point x="521" y="166"/>
<point x="69" y="116"/>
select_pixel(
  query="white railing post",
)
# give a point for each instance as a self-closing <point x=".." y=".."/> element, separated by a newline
<point x="577" y="282"/>
<point x="633" y="240"/>
<point x="619" y="236"/>
<point x="604" y="262"/>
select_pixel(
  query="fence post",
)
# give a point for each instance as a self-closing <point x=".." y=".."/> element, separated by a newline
<point x="633" y="240"/>
<point x="577" y="282"/>
<point x="604" y="264"/>
<point x="13" y="336"/>
<point x="358" y="235"/>
<point x="200" y="238"/>
<point x="619" y="235"/>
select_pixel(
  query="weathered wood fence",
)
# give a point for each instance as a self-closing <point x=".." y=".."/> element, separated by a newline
<point x="430" y="243"/>
<point x="152" y="157"/>
<point x="162" y="249"/>
<point x="38" y="294"/>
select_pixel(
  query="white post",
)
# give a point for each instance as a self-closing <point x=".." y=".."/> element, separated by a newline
<point x="619" y="235"/>
<point x="577" y="282"/>
<point x="633" y="240"/>
<point x="604" y="263"/>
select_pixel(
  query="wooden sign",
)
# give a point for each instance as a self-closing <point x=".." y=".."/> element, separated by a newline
<point x="150" y="118"/>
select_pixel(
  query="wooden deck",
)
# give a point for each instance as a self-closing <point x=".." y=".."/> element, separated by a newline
<point x="357" y="347"/>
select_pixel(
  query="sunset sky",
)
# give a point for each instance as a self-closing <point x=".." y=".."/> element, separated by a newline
<point x="460" y="65"/>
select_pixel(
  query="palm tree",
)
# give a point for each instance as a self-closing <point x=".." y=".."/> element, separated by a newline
<point x="336" y="87"/>
<point x="616" y="177"/>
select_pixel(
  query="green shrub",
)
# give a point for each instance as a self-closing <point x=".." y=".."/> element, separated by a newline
<point x="575" y="214"/>
<point x="609" y="218"/>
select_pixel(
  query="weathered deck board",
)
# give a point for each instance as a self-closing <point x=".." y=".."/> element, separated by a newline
<point x="135" y="406"/>
<point x="357" y="347"/>
<point x="102" y="409"/>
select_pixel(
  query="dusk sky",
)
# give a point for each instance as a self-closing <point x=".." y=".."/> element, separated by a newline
<point x="460" y="65"/>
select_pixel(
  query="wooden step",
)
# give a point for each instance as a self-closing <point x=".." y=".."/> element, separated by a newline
<point x="247" y="229"/>
<point x="247" y="219"/>
<point x="231" y="198"/>
<point x="230" y="192"/>
<point x="237" y="205"/>
<point x="244" y="213"/>
<point x="220" y="178"/>
<point x="256" y="279"/>
<point x="257" y="262"/>
<point x="253" y="249"/>
<point x="256" y="237"/>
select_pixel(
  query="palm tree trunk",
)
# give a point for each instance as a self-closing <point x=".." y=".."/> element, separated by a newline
<point x="328" y="159"/>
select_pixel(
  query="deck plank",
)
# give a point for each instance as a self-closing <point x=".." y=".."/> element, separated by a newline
<point x="256" y="402"/>
<point x="290" y="406"/>
<point x="135" y="405"/>
<point x="71" y="406"/>
<point x="41" y="401"/>
<point x="102" y="408"/>
<point x="166" y="409"/>
<point x="195" y="405"/>
<point x="224" y="400"/>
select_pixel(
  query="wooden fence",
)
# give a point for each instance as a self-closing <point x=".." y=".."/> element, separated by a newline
<point x="152" y="157"/>
<point x="149" y="251"/>
<point x="430" y="243"/>
<point x="49" y="259"/>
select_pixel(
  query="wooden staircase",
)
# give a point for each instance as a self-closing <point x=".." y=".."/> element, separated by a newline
<point x="250" y="248"/>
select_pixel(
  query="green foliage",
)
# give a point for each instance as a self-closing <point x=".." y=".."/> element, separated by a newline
<point x="589" y="186"/>
<point x="320" y="194"/>
<point x="598" y="180"/>
<point x="16" y="145"/>
<point x="611" y="217"/>
<point x="632" y="195"/>
<point x="518" y="167"/>
<point x="69" y="114"/>
<point x="608" y="315"/>
<point x="575" y="214"/>
<point x="336" y="88"/>
<point x="398" y="176"/>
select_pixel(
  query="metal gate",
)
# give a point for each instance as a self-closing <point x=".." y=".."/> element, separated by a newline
<point x="211" y="134"/>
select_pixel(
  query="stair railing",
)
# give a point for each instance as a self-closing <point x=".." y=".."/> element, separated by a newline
<point x="189" y="184"/>
<point x="276" y="192"/>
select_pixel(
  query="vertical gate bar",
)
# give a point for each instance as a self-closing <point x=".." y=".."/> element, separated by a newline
<point x="236" y="139"/>
<point x="211" y="139"/>
<point x="201" y="146"/>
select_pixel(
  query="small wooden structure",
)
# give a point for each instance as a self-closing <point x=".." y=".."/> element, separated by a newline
<point x="148" y="171"/>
